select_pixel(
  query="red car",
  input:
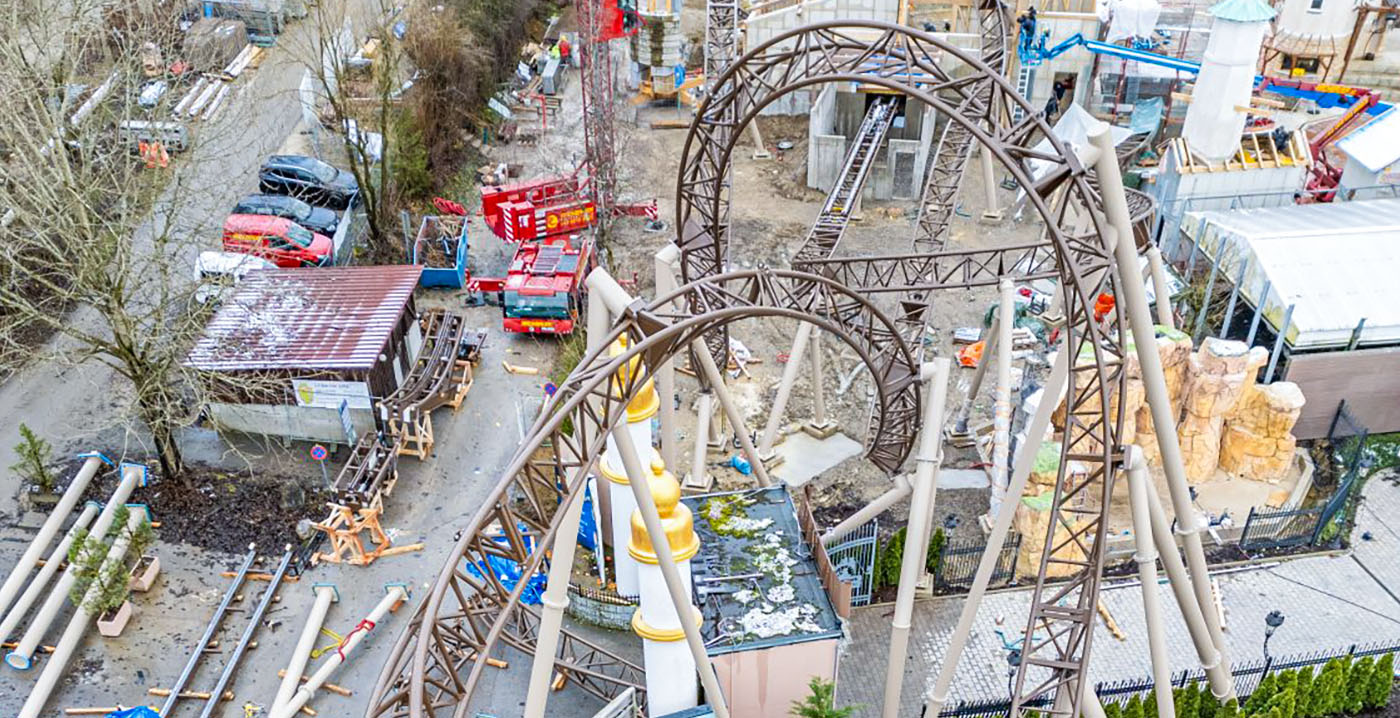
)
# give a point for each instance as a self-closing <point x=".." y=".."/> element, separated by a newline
<point x="284" y="242"/>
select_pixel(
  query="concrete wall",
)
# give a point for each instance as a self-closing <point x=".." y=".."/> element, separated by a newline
<point x="1334" y="17"/>
<point x="303" y="423"/>
<point x="759" y="29"/>
<point x="825" y="148"/>
<point x="1079" y="62"/>
<point x="897" y="170"/>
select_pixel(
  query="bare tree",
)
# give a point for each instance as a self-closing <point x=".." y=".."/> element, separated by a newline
<point x="94" y="251"/>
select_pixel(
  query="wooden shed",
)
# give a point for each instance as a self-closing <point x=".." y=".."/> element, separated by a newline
<point x="299" y="353"/>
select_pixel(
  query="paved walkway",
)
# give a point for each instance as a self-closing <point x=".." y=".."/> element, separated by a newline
<point x="1329" y="602"/>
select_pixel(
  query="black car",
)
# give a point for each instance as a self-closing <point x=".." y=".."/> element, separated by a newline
<point x="309" y="179"/>
<point x="316" y="219"/>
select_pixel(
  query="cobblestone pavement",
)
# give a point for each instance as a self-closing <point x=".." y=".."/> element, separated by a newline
<point x="1329" y="602"/>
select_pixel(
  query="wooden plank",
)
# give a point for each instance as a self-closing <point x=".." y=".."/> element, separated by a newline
<point x="1368" y="379"/>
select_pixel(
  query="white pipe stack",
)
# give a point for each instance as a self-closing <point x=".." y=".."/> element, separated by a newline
<point x="60" y="512"/>
<point x="56" y="559"/>
<point x="325" y="595"/>
<point x="22" y="657"/>
<point x="82" y="619"/>
<point x="394" y="594"/>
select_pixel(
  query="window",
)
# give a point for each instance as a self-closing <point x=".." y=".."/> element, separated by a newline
<point x="1315" y="5"/>
<point x="299" y="235"/>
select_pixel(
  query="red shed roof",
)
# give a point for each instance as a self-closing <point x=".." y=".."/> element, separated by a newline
<point x="310" y="318"/>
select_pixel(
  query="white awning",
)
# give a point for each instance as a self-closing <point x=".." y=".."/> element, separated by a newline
<point x="1334" y="263"/>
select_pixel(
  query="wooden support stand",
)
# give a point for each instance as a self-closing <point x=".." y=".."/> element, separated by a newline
<point x="344" y="527"/>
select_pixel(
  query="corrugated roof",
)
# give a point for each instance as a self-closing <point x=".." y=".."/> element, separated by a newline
<point x="1375" y="144"/>
<point x="311" y="318"/>
<point x="1243" y="11"/>
<point x="1336" y="263"/>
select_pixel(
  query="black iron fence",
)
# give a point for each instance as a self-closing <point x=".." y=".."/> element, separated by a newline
<point x="1247" y="676"/>
<point x="958" y="563"/>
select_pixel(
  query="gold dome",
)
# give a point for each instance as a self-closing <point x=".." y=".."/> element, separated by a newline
<point x="620" y="477"/>
<point x="646" y="403"/>
<point x="676" y="520"/>
<point x="663" y="635"/>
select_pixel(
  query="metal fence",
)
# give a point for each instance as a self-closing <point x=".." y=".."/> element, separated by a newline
<point x="1247" y="676"/>
<point x="958" y="562"/>
<point x="1279" y="528"/>
<point x="854" y="561"/>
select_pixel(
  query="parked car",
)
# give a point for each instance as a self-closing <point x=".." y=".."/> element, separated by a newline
<point x="284" y="242"/>
<point x="218" y="272"/>
<point x="309" y="179"/>
<point x="316" y="219"/>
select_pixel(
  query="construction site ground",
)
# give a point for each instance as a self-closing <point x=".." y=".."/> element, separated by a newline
<point x="78" y="409"/>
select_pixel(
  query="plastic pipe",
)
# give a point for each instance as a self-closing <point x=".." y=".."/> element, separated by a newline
<point x="325" y="594"/>
<point x="919" y="527"/>
<point x="989" y="348"/>
<point x="675" y="585"/>
<point x="36" y="587"/>
<point x="789" y="379"/>
<point x="394" y="594"/>
<point x="876" y="507"/>
<point x="1001" y="412"/>
<point x="1035" y="434"/>
<point x="52" y="524"/>
<point x="82" y="619"/>
<point x="1146" y="557"/>
<point x="23" y="656"/>
<point x="1134" y="302"/>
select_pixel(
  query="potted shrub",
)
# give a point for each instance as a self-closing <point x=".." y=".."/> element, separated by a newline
<point x="33" y="466"/>
<point x="110" y="604"/>
<point x="101" y="588"/>
<point x="146" y="567"/>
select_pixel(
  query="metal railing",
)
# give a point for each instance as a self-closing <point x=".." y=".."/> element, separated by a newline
<point x="957" y="564"/>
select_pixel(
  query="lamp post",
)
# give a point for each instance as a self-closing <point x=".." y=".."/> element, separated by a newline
<point x="1013" y="661"/>
<point x="1271" y="624"/>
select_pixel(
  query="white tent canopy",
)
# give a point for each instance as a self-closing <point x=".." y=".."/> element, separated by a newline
<point x="1336" y="264"/>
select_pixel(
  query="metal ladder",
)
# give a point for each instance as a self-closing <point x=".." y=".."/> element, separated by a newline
<point x="1025" y="78"/>
<point x="835" y="215"/>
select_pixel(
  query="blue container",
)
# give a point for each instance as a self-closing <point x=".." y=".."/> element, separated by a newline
<point x="451" y="243"/>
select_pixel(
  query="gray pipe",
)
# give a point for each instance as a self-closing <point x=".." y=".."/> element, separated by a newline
<point x="819" y="420"/>
<point x="876" y="507"/>
<point x="920" y="526"/>
<point x="731" y="410"/>
<point x="60" y="512"/>
<point x="82" y="619"/>
<point x="1146" y="557"/>
<point x="1001" y="417"/>
<point x="989" y="339"/>
<point x="36" y="587"/>
<point x="1025" y="458"/>
<point x="1134" y="302"/>
<point x="23" y="656"/>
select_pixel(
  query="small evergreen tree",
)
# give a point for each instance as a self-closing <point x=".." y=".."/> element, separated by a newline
<point x="1302" y="693"/>
<point x="1231" y="709"/>
<point x="821" y="703"/>
<point x="1257" y="700"/>
<point x="1283" y="702"/>
<point x="34" y="455"/>
<point x="1382" y="679"/>
<point x="1323" y="701"/>
<point x="1186" y="699"/>
<point x="1209" y="704"/>
<point x="1133" y="708"/>
<point x="1112" y="710"/>
<point x="1273" y="713"/>
<point x="1149" y="705"/>
<point x="1359" y="684"/>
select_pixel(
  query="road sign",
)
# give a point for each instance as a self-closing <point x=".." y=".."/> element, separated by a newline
<point x="351" y="437"/>
<point x="318" y="452"/>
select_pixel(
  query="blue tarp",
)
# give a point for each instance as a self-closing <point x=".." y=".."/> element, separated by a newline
<point x="508" y="572"/>
<point x="137" y="712"/>
<point x="1147" y="115"/>
<point x="587" y="529"/>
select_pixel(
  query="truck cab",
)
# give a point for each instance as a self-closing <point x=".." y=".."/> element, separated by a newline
<point x="280" y="240"/>
<point x="542" y="293"/>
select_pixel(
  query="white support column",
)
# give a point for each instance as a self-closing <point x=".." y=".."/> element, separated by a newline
<point x="876" y="507"/>
<point x="1001" y="416"/>
<point x="789" y="379"/>
<point x="41" y="581"/>
<point x="992" y="214"/>
<point x="1025" y="458"/>
<point x="989" y="350"/>
<point x="676" y="585"/>
<point x="736" y="419"/>
<point x="325" y="595"/>
<point x="820" y="426"/>
<point x="920" y="527"/>
<point x="1160" y="288"/>
<point x="666" y="373"/>
<point x="1146" y="557"/>
<point x="1133" y="296"/>
<point x="704" y="409"/>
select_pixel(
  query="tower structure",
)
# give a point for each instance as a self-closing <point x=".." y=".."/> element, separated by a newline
<point x="1214" y="121"/>
<point x="622" y="505"/>
<point x="670" y="667"/>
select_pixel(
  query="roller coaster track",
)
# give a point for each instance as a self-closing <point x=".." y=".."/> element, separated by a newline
<point x="469" y="613"/>
<point x="439" y="377"/>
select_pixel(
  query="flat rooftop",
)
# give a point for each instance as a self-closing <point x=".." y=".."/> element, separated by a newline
<point x="756" y="578"/>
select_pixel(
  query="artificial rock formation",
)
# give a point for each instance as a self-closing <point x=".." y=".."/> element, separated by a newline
<point x="1174" y="347"/>
<point x="1033" y="515"/>
<point x="1258" y="441"/>
<point x="1218" y="378"/>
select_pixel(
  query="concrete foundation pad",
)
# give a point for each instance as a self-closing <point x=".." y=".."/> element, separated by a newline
<point x="805" y="456"/>
<point x="991" y="218"/>
<point x="819" y="431"/>
<point x="963" y="479"/>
